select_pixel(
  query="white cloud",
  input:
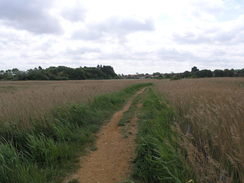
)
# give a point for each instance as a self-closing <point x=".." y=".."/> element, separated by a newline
<point x="74" y="13"/>
<point x="133" y="36"/>
<point x="230" y="32"/>
<point x="114" y="26"/>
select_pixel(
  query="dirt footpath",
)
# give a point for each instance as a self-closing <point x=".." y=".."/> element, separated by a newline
<point x="111" y="162"/>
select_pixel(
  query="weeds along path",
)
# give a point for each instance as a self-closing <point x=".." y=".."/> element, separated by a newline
<point x="111" y="162"/>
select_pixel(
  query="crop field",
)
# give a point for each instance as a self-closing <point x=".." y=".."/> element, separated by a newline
<point x="210" y="121"/>
<point x="147" y="131"/>
<point x="22" y="101"/>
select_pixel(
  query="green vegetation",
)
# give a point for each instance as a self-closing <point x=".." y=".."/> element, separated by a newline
<point x="205" y="73"/>
<point x="44" y="152"/>
<point x="158" y="155"/>
<point x="130" y="113"/>
<point x="197" y="137"/>
<point x="194" y="73"/>
<point x="124" y="123"/>
<point x="107" y="72"/>
<point x="74" y="181"/>
<point x="60" y="73"/>
<point x="127" y="181"/>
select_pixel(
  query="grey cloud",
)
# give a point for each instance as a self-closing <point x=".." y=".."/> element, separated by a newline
<point x="82" y="50"/>
<point x="228" y="33"/>
<point x="170" y="57"/>
<point x="203" y="10"/>
<point x="217" y="36"/>
<point x="80" y="53"/>
<point x="9" y="38"/>
<point x="191" y="38"/>
<point x="120" y="25"/>
<point x="30" y="15"/>
<point x="127" y="54"/>
<point x="175" y="55"/>
<point x="74" y="14"/>
<point x="214" y="59"/>
<point x="115" y="26"/>
<point x="179" y="59"/>
<point x="211" y="8"/>
<point x="156" y="55"/>
<point x="87" y="34"/>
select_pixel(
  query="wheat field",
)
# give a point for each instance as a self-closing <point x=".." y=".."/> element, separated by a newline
<point x="209" y="116"/>
<point x="210" y="121"/>
<point x="22" y="101"/>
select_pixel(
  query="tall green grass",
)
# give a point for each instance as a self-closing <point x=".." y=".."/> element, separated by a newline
<point x="158" y="158"/>
<point x="45" y="152"/>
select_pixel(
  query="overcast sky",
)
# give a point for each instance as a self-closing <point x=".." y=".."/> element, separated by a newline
<point x="130" y="35"/>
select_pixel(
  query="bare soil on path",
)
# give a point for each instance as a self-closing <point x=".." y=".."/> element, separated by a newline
<point x="112" y="161"/>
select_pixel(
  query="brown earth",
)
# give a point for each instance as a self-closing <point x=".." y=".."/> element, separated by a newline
<point x="111" y="162"/>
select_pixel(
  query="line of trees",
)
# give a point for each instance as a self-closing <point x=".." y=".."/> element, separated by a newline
<point x="196" y="73"/>
<point x="60" y="73"/>
<point x="107" y="72"/>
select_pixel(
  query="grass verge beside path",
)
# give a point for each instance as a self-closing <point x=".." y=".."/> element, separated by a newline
<point x="43" y="153"/>
<point x="158" y="158"/>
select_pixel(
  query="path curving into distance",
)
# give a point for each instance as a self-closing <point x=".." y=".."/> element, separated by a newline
<point x="112" y="161"/>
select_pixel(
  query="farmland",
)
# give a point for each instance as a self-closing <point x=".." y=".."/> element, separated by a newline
<point x="189" y="130"/>
<point x="22" y="100"/>
<point x="210" y="120"/>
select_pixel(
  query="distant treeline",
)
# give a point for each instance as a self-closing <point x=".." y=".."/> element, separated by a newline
<point x="60" y="73"/>
<point x="194" y="73"/>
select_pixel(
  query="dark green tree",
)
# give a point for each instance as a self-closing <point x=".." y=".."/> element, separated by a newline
<point x="194" y="69"/>
<point x="218" y="73"/>
<point x="229" y="73"/>
<point x="204" y="73"/>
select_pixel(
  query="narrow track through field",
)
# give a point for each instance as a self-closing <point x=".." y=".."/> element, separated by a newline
<point x="111" y="162"/>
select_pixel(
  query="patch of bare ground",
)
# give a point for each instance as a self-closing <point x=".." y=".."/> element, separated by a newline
<point x="112" y="161"/>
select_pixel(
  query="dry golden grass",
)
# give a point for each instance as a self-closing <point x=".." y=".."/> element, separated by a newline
<point x="22" y="100"/>
<point x="211" y="122"/>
